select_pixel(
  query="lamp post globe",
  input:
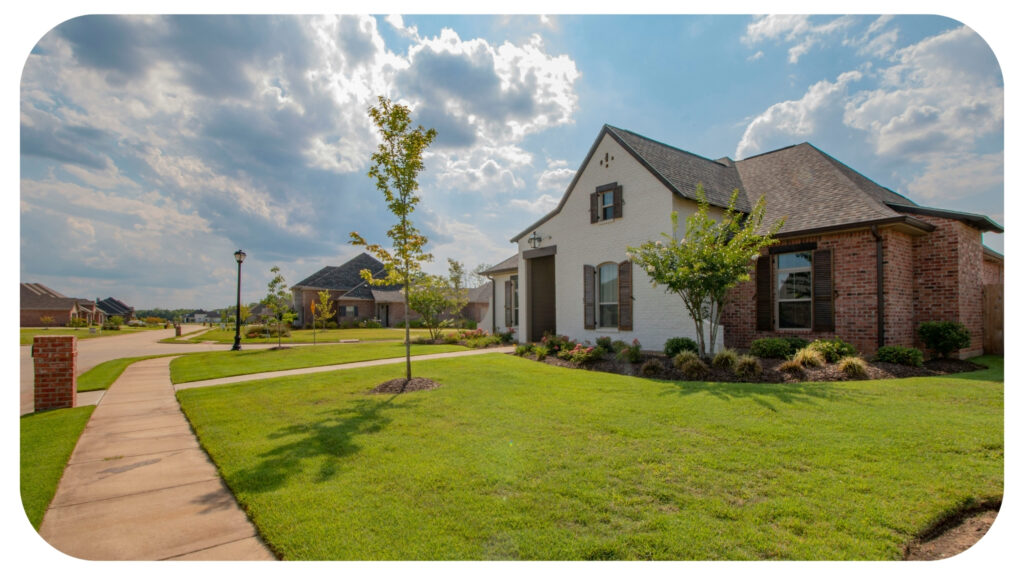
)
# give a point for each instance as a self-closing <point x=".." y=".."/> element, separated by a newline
<point x="239" y="257"/>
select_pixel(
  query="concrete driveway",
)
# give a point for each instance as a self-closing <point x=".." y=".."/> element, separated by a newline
<point x="92" y="352"/>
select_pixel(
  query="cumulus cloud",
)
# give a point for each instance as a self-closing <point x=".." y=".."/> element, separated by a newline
<point x="539" y="205"/>
<point x="958" y="176"/>
<point x="556" y="177"/>
<point x="796" y="30"/>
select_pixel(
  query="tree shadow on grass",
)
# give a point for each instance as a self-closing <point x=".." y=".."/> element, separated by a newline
<point x="762" y="393"/>
<point x="326" y="441"/>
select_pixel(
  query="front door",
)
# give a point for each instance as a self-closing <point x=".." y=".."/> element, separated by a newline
<point x="382" y="314"/>
<point x="542" y="296"/>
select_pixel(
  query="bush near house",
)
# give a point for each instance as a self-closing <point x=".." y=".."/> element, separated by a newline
<point x="725" y="359"/>
<point x="580" y="355"/>
<point x="944" y="337"/>
<point x="853" y="366"/>
<point x="832" y="349"/>
<point x="771" y="348"/>
<point x="675" y="345"/>
<point x="630" y="353"/>
<point x="747" y="366"/>
<point x="808" y="357"/>
<point x="900" y="355"/>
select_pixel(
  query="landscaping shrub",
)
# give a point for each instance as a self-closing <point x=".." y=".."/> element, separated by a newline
<point x="675" y="345"/>
<point x="523" y="349"/>
<point x="832" y="349"/>
<point x="685" y="356"/>
<point x="369" y="323"/>
<point x="109" y="325"/>
<point x="771" y="348"/>
<point x="423" y="340"/>
<point x="809" y="357"/>
<point x="540" y="351"/>
<point x="652" y="368"/>
<point x="694" y="369"/>
<point x="254" y="331"/>
<point x="555" y="343"/>
<point x="792" y="366"/>
<point x="619" y="345"/>
<point x="331" y="325"/>
<point x="725" y="359"/>
<point x="853" y="366"/>
<point x="471" y="334"/>
<point x="944" y="337"/>
<point x="451" y="338"/>
<point x="77" y="322"/>
<point x="507" y="337"/>
<point x="630" y="353"/>
<point x="580" y="354"/>
<point x="482" y="342"/>
<point x="469" y="324"/>
<point x="796" y="343"/>
<point x="605" y="343"/>
<point x="899" y="354"/>
<point x="747" y="366"/>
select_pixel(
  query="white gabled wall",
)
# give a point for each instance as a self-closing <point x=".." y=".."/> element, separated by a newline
<point x="647" y="207"/>
<point x="496" y="305"/>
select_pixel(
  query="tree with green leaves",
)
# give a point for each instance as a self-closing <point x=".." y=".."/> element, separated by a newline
<point x="439" y="300"/>
<point x="396" y="164"/>
<point x="707" y="261"/>
<point x="458" y="293"/>
<point x="323" y="310"/>
<point x="279" y="303"/>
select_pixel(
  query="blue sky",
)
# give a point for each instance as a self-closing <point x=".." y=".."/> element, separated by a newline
<point x="153" y="147"/>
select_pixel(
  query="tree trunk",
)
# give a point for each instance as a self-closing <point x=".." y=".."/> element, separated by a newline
<point x="408" y="353"/>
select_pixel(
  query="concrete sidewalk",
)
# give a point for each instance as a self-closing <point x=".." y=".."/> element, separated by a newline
<point x="139" y="487"/>
<point x="336" y="367"/>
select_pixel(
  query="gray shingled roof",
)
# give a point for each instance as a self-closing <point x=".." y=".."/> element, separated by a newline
<point x="480" y="294"/>
<point x="346" y="277"/>
<point x="682" y="171"/>
<point x="111" y="306"/>
<point x="507" y="265"/>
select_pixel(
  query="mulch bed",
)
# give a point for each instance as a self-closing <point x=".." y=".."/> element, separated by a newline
<point x="401" y="385"/>
<point x="771" y="374"/>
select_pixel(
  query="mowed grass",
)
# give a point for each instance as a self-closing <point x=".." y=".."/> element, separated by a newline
<point x="102" y="376"/>
<point x="513" y="459"/>
<point x="306" y="335"/>
<point x="47" y="440"/>
<point x="214" y="364"/>
<point x="29" y="333"/>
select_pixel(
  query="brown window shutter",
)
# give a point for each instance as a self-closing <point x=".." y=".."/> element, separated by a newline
<point x="594" y="212"/>
<point x="626" y="296"/>
<point x="589" y="320"/>
<point x="617" y="201"/>
<point x="824" y="310"/>
<point x="763" y="283"/>
<point x="508" y="303"/>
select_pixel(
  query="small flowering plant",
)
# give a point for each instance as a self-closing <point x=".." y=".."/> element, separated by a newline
<point x="630" y="353"/>
<point x="579" y="355"/>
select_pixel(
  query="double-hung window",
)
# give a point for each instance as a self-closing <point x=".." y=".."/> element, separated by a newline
<point x="793" y="294"/>
<point x="606" y="201"/>
<point x="608" y="295"/>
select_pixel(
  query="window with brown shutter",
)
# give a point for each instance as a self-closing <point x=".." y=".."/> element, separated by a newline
<point x="588" y="297"/>
<point x="594" y="215"/>
<point x="763" y="281"/>
<point x="824" y="310"/>
<point x="617" y="201"/>
<point x="626" y="296"/>
<point x="606" y="203"/>
<point x="508" y="303"/>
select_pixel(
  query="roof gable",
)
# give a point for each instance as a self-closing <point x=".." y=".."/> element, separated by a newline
<point x="345" y="277"/>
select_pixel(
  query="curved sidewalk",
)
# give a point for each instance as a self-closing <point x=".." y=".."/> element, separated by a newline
<point x="139" y="487"/>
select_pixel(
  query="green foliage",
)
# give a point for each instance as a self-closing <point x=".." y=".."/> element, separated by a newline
<point x="47" y="440"/>
<point x="605" y="343"/>
<point x="482" y="342"/>
<point x="832" y="349"/>
<point x="674" y="345"/>
<point x="324" y="309"/>
<point x="694" y="369"/>
<point x="111" y="326"/>
<point x="944" y="337"/>
<point x="279" y="303"/>
<point x="796" y="343"/>
<point x="47" y="320"/>
<point x="581" y="354"/>
<point x="369" y="324"/>
<point x="523" y="349"/>
<point x="771" y="348"/>
<point x="73" y="322"/>
<point x="747" y="366"/>
<point x="555" y="343"/>
<point x="685" y="357"/>
<point x="652" y="368"/>
<point x="704" y="263"/>
<point x="630" y="353"/>
<point x="853" y="366"/>
<point x="725" y="359"/>
<point x="541" y="352"/>
<point x="792" y="367"/>
<point x="809" y="357"/>
<point x="439" y="300"/>
<point x="396" y="164"/>
<point x="507" y="336"/>
<point x="900" y="355"/>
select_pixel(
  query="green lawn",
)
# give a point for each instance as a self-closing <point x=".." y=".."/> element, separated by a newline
<point x="514" y="459"/>
<point x="27" y="333"/>
<point x="306" y="335"/>
<point x="214" y="364"/>
<point x="47" y="440"/>
<point x="104" y="374"/>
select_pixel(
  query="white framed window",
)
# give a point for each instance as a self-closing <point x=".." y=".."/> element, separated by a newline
<point x="608" y="295"/>
<point x="793" y="291"/>
<point x="606" y="203"/>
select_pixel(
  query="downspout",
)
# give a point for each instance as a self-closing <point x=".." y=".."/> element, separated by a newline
<point x="880" y="288"/>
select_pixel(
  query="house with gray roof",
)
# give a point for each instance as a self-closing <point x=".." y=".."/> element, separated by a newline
<point x="45" y="307"/>
<point x="855" y="260"/>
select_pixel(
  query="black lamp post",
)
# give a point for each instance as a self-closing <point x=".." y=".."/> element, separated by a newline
<point x="239" y="257"/>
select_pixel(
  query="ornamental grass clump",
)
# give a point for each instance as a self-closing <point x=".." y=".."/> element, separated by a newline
<point x="792" y="367"/>
<point x="853" y="366"/>
<point x="652" y="368"/>
<point x="675" y="345"/>
<point x="747" y="367"/>
<point x="695" y="369"/>
<point x="808" y="357"/>
<point x="684" y="357"/>
<point x="725" y="359"/>
<point x="900" y="355"/>
<point x="832" y="349"/>
<point x="523" y="349"/>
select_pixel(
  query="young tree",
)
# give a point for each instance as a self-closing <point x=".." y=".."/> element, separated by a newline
<point x="477" y="277"/>
<point x="428" y="297"/>
<point x="279" y="303"/>
<point x="398" y="160"/>
<point x="323" y="310"/>
<point x="709" y="260"/>
<point x="458" y="293"/>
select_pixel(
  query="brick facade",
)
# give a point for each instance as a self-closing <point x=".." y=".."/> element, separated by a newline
<point x="937" y="276"/>
<point x="54" y="359"/>
<point x="34" y="317"/>
<point x="991" y="272"/>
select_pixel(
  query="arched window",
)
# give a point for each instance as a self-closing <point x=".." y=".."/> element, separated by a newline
<point x="608" y="295"/>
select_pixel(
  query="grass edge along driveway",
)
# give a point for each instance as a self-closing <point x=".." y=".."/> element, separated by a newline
<point x="47" y="440"/>
<point x="217" y="364"/>
<point x="513" y="459"/>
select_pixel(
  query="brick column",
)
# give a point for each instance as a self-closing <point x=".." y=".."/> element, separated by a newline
<point x="54" y="359"/>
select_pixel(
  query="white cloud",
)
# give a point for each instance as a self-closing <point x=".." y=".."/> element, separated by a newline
<point x="492" y="170"/>
<point x="557" y="177"/>
<point x="958" y="176"/>
<point x="756" y="56"/>
<point x="793" y="29"/>
<point x="795" y="118"/>
<point x="540" y="205"/>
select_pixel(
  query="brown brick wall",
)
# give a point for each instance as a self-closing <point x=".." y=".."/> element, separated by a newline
<point x="54" y="359"/>
<point x="991" y="272"/>
<point x="898" y="258"/>
<point x="33" y="317"/>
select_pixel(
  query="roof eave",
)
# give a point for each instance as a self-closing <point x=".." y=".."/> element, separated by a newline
<point x="911" y="222"/>
<point x="982" y="222"/>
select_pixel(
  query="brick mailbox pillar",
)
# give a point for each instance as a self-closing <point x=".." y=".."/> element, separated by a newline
<point x="54" y="358"/>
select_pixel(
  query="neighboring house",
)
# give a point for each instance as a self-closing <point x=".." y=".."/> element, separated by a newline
<point x="203" y="316"/>
<point x="354" y="299"/>
<point x="91" y="312"/>
<point x="115" y="307"/>
<point x="503" y="314"/>
<point x="39" y="302"/>
<point x="478" y="303"/>
<point x="855" y="260"/>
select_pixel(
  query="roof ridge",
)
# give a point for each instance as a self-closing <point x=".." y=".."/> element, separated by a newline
<point x="848" y="167"/>
<point x="663" y="144"/>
